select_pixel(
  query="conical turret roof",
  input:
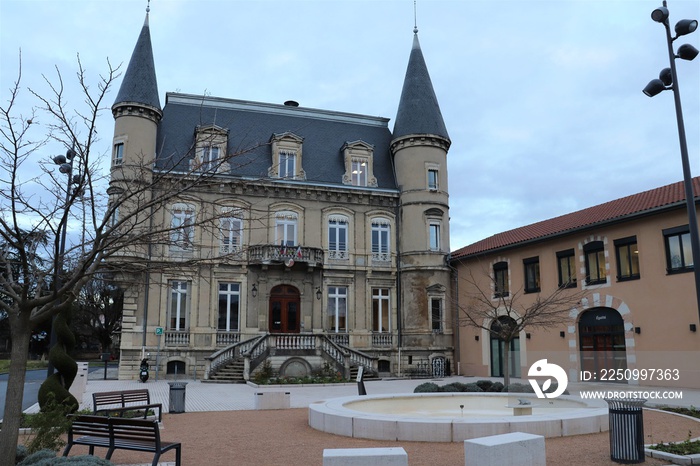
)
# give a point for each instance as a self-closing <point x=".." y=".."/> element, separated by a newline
<point x="139" y="84"/>
<point x="419" y="111"/>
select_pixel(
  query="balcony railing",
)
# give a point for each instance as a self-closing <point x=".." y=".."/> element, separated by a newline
<point x="382" y="339"/>
<point x="270" y="254"/>
<point x="224" y="338"/>
<point x="177" y="338"/>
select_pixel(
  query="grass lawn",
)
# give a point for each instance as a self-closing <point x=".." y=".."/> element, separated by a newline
<point x="5" y="365"/>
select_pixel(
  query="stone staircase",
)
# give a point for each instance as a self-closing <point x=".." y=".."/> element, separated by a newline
<point x="365" y="376"/>
<point x="230" y="373"/>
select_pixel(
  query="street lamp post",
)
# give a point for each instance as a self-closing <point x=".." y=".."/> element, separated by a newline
<point x="65" y="166"/>
<point x="668" y="80"/>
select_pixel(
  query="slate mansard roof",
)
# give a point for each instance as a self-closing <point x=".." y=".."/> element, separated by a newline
<point x="637" y="205"/>
<point x="251" y="125"/>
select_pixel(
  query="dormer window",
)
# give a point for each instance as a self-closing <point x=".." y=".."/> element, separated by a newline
<point x="210" y="150"/>
<point x="287" y="157"/>
<point x="359" y="171"/>
<point x="359" y="157"/>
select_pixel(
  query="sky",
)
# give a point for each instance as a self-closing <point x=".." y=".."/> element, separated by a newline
<point x="542" y="99"/>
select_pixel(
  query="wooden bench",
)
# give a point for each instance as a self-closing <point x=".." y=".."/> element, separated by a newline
<point x="122" y="401"/>
<point x="115" y="433"/>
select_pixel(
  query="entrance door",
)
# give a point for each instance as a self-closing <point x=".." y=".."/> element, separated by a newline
<point x="498" y="351"/>
<point x="284" y="309"/>
<point x="602" y="340"/>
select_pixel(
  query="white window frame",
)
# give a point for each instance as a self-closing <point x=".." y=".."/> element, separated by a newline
<point x="359" y="168"/>
<point x="178" y="304"/>
<point x="231" y="239"/>
<point x="118" y="154"/>
<point x="381" y="247"/>
<point x="339" y="225"/>
<point x="233" y="289"/>
<point x="287" y="163"/>
<point x="182" y="226"/>
<point x="384" y="302"/>
<point x="286" y="225"/>
<point x="433" y="179"/>
<point x="210" y="157"/>
<point x="434" y="235"/>
<point x="337" y="305"/>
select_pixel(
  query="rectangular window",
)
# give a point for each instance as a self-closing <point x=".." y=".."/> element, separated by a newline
<point x="337" y="309"/>
<point x="178" y="305"/>
<point x="287" y="165"/>
<point x="210" y="157"/>
<point x="595" y="262"/>
<point x="380" y="240"/>
<point x="532" y="274"/>
<point x="679" y="256"/>
<point x="566" y="266"/>
<point x="380" y="310"/>
<point x="434" y="236"/>
<point x="337" y="238"/>
<point x="286" y="230"/>
<point x="433" y="180"/>
<point x="500" y="279"/>
<point x="182" y="227"/>
<point x="436" y="315"/>
<point x="229" y="306"/>
<point x="359" y="172"/>
<point x="118" y="156"/>
<point x="627" y="254"/>
<point x="231" y="234"/>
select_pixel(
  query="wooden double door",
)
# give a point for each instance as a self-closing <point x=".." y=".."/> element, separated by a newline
<point x="284" y="309"/>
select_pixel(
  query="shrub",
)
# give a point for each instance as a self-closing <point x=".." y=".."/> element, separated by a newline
<point x="495" y="387"/>
<point x="264" y="374"/>
<point x="48" y="426"/>
<point x="518" y="388"/>
<point x="485" y="385"/>
<point x="48" y="458"/>
<point x="427" y="387"/>
<point x="20" y="453"/>
<point x="473" y="387"/>
<point x="454" y="387"/>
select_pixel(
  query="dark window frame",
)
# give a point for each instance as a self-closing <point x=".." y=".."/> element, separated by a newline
<point x="678" y="232"/>
<point x="627" y="243"/>
<point x="529" y="263"/>
<point x="569" y="254"/>
<point x="594" y="247"/>
<point x="500" y="268"/>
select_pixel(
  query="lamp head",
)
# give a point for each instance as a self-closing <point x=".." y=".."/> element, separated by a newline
<point x="660" y="15"/>
<point x="654" y="87"/>
<point x="59" y="159"/>
<point x="70" y="153"/>
<point x="687" y="52"/>
<point x="65" y="168"/>
<point x="686" y="26"/>
<point x="666" y="76"/>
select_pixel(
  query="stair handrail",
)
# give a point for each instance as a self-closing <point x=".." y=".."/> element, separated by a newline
<point x="362" y="359"/>
<point x="223" y="356"/>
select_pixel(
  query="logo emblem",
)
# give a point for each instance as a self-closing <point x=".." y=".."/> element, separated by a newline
<point x="542" y="368"/>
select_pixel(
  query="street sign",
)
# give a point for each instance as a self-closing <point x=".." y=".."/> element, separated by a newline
<point x="159" y="331"/>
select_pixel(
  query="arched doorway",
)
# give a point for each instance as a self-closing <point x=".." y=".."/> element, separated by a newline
<point x="284" y="309"/>
<point x="602" y="340"/>
<point x="498" y="350"/>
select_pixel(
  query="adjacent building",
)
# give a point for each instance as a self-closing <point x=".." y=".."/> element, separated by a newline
<point x="300" y="236"/>
<point x="630" y="260"/>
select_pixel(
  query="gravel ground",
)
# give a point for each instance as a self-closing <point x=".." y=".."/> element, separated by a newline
<point x="284" y="438"/>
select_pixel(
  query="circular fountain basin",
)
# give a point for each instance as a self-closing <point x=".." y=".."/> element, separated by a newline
<point x="454" y="417"/>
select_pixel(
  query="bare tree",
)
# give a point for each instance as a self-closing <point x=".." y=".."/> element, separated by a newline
<point x="490" y="306"/>
<point x="118" y="235"/>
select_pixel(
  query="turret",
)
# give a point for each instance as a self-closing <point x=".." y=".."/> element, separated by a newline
<point x="419" y="147"/>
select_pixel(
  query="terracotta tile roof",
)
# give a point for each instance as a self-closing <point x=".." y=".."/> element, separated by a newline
<point x="636" y="204"/>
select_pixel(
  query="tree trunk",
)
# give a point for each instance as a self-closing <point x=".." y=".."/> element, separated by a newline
<point x="506" y="362"/>
<point x="21" y="333"/>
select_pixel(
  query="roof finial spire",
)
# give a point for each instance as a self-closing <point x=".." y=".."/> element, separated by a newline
<point x="415" y="18"/>
<point x="148" y="7"/>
